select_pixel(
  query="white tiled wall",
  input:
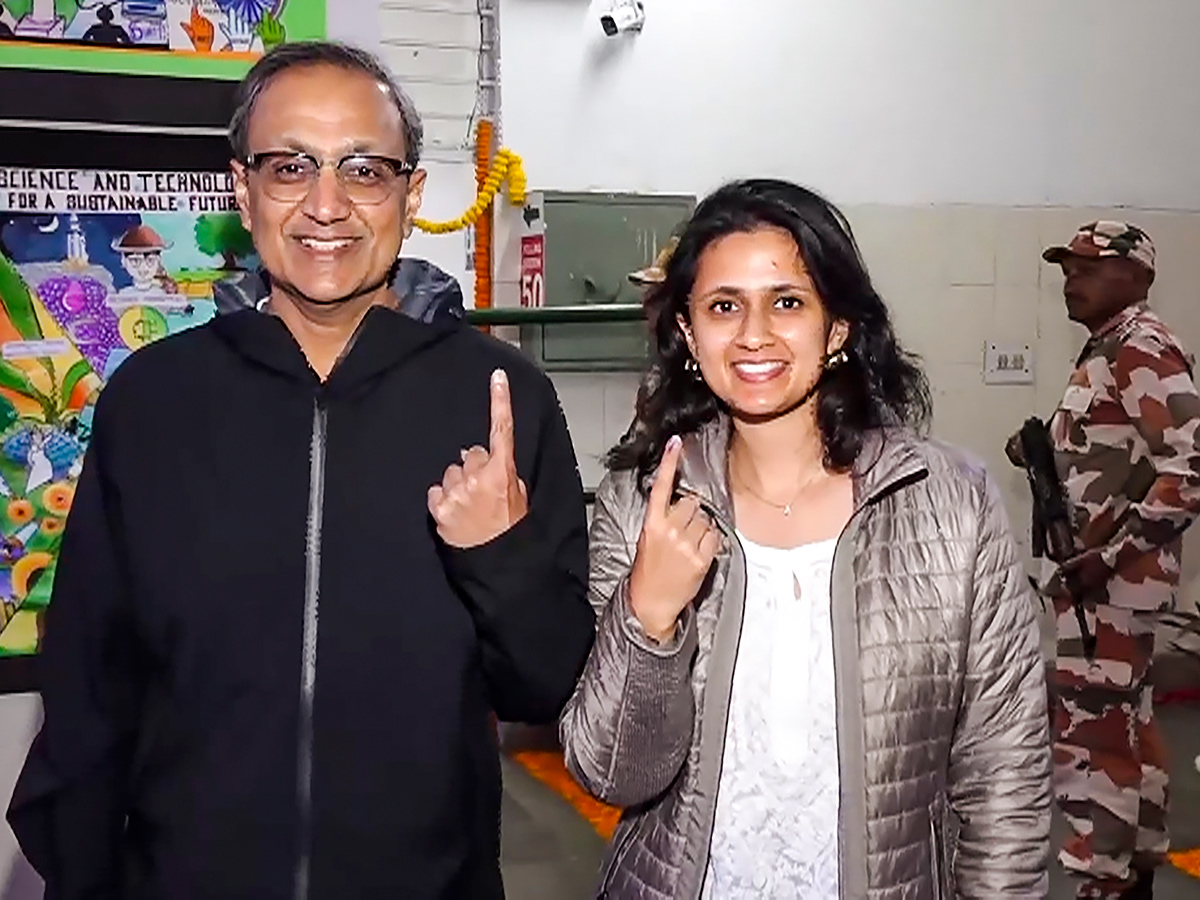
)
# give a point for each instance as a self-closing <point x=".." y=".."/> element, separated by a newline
<point x="955" y="277"/>
<point x="599" y="407"/>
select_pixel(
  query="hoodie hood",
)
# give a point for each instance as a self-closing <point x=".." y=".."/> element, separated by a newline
<point x="385" y="340"/>
<point x="424" y="291"/>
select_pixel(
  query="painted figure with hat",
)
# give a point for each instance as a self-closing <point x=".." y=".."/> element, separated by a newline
<point x="141" y="249"/>
<point x="1126" y="440"/>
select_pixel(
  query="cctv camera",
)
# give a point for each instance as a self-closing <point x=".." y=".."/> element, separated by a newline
<point x="623" y="15"/>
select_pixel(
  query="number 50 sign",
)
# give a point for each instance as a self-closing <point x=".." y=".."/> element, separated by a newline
<point x="533" y="270"/>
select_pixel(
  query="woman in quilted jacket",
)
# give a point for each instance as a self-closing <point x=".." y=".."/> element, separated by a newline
<point x="817" y="670"/>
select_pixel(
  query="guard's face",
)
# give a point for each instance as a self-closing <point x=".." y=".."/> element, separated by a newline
<point x="1096" y="289"/>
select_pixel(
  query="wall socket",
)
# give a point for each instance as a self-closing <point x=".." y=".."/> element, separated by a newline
<point x="1007" y="363"/>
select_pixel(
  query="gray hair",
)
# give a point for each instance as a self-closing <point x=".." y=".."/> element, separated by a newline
<point x="320" y="53"/>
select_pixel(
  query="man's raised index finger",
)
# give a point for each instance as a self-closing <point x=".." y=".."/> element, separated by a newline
<point x="500" y="439"/>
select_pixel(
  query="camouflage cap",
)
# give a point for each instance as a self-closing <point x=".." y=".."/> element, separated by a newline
<point x="657" y="270"/>
<point x="1107" y="239"/>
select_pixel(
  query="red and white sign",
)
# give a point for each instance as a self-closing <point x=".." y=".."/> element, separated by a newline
<point x="533" y="270"/>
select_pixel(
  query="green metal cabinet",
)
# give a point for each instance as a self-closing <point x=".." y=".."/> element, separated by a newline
<point x="593" y="242"/>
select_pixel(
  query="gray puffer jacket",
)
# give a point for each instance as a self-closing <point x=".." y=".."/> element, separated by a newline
<point x="940" y="686"/>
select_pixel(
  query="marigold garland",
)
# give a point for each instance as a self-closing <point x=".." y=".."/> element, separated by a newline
<point x="506" y="168"/>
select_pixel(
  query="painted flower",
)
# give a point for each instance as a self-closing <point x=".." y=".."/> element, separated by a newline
<point x="20" y="510"/>
<point x="57" y="497"/>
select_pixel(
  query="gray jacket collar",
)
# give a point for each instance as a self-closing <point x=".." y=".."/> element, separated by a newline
<point x="889" y="457"/>
<point x="423" y="291"/>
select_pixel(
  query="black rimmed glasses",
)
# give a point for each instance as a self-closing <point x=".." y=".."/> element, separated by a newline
<point x="288" y="175"/>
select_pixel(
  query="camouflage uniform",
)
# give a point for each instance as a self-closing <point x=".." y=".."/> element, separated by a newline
<point x="1127" y="447"/>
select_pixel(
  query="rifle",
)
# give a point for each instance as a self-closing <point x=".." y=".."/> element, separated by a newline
<point x="1052" y="536"/>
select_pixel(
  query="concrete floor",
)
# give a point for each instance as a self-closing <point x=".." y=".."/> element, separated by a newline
<point x="547" y="850"/>
<point x="551" y="853"/>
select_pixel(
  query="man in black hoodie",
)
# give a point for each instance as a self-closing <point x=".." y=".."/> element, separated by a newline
<point x="314" y="546"/>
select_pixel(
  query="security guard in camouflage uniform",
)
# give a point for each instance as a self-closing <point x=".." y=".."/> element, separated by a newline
<point x="1127" y="448"/>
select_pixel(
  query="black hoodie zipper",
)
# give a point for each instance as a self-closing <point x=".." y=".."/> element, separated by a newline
<point x="312" y="600"/>
<point x="312" y="597"/>
<point x="308" y="666"/>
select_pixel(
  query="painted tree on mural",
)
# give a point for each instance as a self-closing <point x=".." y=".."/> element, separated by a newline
<point x="222" y="234"/>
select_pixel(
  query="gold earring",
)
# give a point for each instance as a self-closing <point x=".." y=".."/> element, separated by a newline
<point x="836" y="359"/>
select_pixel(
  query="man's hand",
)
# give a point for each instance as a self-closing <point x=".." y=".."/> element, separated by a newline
<point x="483" y="498"/>
<point x="1015" y="451"/>
<point x="1088" y="569"/>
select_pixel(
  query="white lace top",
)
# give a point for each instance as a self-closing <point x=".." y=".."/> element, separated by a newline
<point x="775" y="834"/>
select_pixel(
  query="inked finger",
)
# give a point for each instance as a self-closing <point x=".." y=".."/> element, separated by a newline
<point x="500" y="437"/>
<point x="664" y="480"/>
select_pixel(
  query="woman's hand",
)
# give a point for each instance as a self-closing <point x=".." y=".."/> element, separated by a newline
<point x="674" y="552"/>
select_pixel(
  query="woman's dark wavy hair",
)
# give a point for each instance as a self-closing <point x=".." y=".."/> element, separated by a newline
<point x="880" y="385"/>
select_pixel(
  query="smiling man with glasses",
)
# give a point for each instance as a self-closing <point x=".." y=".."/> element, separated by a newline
<point x="325" y="166"/>
<point x="316" y="544"/>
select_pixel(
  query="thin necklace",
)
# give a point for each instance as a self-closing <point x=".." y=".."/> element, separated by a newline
<point x="786" y="508"/>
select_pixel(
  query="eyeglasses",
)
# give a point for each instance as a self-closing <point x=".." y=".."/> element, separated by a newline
<point x="288" y="176"/>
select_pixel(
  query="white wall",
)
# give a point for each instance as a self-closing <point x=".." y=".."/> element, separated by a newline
<point x="1010" y="102"/>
